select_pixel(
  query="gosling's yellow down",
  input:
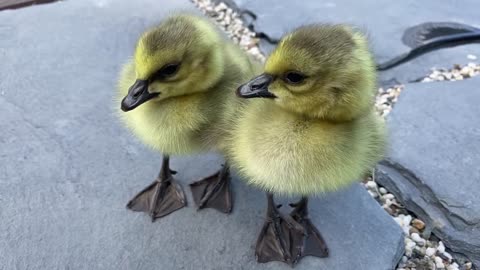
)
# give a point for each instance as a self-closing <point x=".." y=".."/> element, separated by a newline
<point x="173" y="93"/>
<point x="311" y="129"/>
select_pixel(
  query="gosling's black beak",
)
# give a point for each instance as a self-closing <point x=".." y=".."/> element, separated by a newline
<point x="137" y="95"/>
<point x="258" y="87"/>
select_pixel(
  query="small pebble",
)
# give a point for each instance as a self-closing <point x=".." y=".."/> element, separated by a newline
<point x="445" y="256"/>
<point x="371" y="184"/>
<point x="407" y="219"/>
<point x="399" y="220"/>
<point x="388" y="202"/>
<point x="427" y="80"/>
<point x="382" y="190"/>
<point x="388" y="196"/>
<point x="468" y="266"/>
<point x="464" y="71"/>
<point x="417" y="223"/>
<point x="439" y="263"/>
<point x="441" y="247"/>
<point x="419" y="240"/>
<point x="409" y="243"/>
<point x="453" y="266"/>
<point x="430" y="252"/>
<point x="471" y="57"/>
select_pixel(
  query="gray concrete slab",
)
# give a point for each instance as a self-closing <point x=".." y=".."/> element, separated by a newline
<point x="384" y="21"/>
<point x="67" y="166"/>
<point x="435" y="151"/>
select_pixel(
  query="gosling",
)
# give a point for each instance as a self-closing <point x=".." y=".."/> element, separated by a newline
<point x="172" y="96"/>
<point x="309" y="128"/>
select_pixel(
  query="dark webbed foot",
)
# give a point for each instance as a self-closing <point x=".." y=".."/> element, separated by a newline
<point x="279" y="238"/>
<point x="160" y="198"/>
<point x="214" y="191"/>
<point x="312" y="243"/>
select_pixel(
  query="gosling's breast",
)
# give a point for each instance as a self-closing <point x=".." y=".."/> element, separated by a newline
<point x="167" y="129"/>
<point x="293" y="156"/>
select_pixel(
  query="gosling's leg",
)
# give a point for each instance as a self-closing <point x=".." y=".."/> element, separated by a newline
<point x="312" y="243"/>
<point x="279" y="238"/>
<point x="214" y="191"/>
<point x="162" y="197"/>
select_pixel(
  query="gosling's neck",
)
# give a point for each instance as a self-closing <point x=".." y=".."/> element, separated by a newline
<point x="216" y="66"/>
<point x="353" y="103"/>
<point x="333" y="113"/>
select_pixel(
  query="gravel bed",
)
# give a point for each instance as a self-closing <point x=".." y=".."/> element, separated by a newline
<point x="231" y="22"/>
<point x="456" y="73"/>
<point x="423" y="251"/>
<point x="386" y="98"/>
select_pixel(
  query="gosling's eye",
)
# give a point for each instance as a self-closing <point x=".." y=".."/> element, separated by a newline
<point x="170" y="70"/>
<point x="166" y="71"/>
<point x="294" y="77"/>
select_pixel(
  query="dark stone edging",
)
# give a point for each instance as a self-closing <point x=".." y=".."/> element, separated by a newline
<point x="419" y="199"/>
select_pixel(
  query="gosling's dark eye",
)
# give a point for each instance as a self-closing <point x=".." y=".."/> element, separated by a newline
<point x="294" y="77"/>
<point x="170" y="69"/>
<point x="165" y="72"/>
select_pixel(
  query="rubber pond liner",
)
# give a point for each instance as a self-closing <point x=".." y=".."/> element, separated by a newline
<point x="12" y="4"/>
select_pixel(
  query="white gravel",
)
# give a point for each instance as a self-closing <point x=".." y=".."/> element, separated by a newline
<point x="456" y="73"/>
<point x="420" y="252"/>
<point x="230" y="22"/>
<point x="386" y="98"/>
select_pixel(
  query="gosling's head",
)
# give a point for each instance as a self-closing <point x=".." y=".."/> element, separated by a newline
<point x="319" y="71"/>
<point x="181" y="56"/>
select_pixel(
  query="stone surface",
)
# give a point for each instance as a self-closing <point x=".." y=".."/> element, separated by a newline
<point x="384" y="21"/>
<point x="435" y="149"/>
<point x="67" y="167"/>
